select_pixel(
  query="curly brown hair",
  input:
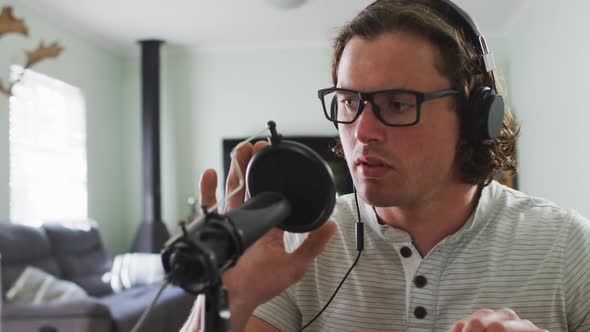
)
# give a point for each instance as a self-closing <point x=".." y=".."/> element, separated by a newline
<point x="479" y="161"/>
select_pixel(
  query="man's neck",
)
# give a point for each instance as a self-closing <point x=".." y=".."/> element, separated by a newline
<point x="431" y="222"/>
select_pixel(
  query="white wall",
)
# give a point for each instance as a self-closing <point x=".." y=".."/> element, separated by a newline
<point x="239" y="92"/>
<point x="99" y="73"/>
<point x="216" y="94"/>
<point x="175" y="138"/>
<point x="209" y="95"/>
<point x="549" y="79"/>
<point x="232" y="93"/>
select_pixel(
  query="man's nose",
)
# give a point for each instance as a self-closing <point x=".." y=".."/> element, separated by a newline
<point x="368" y="126"/>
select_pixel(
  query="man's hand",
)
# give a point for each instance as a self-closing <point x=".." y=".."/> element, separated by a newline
<point x="265" y="269"/>
<point x="486" y="320"/>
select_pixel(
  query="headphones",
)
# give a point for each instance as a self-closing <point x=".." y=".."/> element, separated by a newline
<point x="485" y="108"/>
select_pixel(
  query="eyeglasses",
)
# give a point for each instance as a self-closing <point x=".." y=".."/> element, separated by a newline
<point x="394" y="108"/>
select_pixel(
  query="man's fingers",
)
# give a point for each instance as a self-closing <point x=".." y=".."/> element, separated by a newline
<point x="463" y="325"/>
<point x="315" y="242"/>
<point x="242" y="157"/>
<point x="458" y="327"/>
<point x="474" y="325"/>
<point x="486" y="320"/>
<point x="258" y="146"/>
<point x="208" y="187"/>
<point x="497" y="316"/>
<point x="514" y="326"/>
<point x="255" y="149"/>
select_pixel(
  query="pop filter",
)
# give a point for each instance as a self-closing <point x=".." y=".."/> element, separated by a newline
<point x="300" y="174"/>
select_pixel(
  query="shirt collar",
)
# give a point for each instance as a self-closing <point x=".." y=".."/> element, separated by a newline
<point x="481" y="213"/>
<point x="475" y="221"/>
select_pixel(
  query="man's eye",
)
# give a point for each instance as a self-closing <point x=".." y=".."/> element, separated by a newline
<point x="349" y="103"/>
<point x="400" y="106"/>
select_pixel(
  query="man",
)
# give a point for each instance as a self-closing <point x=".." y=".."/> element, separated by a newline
<point x="446" y="248"/>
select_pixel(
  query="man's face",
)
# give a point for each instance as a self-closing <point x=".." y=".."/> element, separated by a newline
<point x="399" y="166"/>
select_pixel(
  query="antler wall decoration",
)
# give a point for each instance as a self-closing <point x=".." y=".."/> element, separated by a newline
<point x="10" y="24"/>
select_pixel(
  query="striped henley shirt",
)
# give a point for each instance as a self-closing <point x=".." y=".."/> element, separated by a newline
<point x="516" y="251"/>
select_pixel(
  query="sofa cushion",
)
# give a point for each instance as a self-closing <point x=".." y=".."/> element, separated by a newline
<point x="38" y="286"/>
<point x="22" y="246"/>
<point x="69" y="316"/>
<point x="168" y="314"/>
<point x="81" y="256"/>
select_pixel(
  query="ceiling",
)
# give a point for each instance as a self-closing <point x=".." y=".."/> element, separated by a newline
<point x="206" y="24"/>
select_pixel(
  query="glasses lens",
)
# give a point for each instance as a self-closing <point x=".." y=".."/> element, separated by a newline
<point x="397" y="108"/>
<point x="343" y="106"/>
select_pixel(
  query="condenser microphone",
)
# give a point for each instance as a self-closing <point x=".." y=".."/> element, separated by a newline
<point x="195" y="259"/>
<point x="291" y="187"/>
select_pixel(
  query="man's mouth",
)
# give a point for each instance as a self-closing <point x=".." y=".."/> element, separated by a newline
<point x="370" y="161"/>
<point x="371" y="167"/>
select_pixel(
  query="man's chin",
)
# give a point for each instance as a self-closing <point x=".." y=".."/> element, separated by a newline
<point x="377" y="197"/>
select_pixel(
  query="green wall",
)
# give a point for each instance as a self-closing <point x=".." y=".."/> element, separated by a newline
<point x="99" y="72"/>
<point x="207" y="95"/>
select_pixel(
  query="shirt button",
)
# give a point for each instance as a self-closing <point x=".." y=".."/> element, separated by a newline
<point x="420" y="281"/>
<point x="420" y="312"/>
<point x="406" y="252"/>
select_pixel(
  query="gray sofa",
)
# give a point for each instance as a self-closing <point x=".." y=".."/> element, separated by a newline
<point x="79" y="256"/>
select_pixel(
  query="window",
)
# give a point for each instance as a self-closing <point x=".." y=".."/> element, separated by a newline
<point x="47" y="150"/>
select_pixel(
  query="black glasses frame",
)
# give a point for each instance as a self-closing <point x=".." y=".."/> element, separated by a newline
<point x="368" y="97"/>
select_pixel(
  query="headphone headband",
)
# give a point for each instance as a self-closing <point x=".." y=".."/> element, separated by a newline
<point x="485" y="57"/>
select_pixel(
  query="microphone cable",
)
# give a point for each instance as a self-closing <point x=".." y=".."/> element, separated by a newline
<point x="360" y="244"/>
<point x="148" y="310"/>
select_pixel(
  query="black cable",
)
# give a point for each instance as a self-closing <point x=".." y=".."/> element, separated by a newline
<point x="147" y="311"/>
<point x="359" y="248"/>
<point x="360" y="235"/>
<point x="334" y="294"/>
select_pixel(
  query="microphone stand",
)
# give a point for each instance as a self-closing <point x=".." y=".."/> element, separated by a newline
<point x="196" y="269"/>
<point x="217" y="315"/>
